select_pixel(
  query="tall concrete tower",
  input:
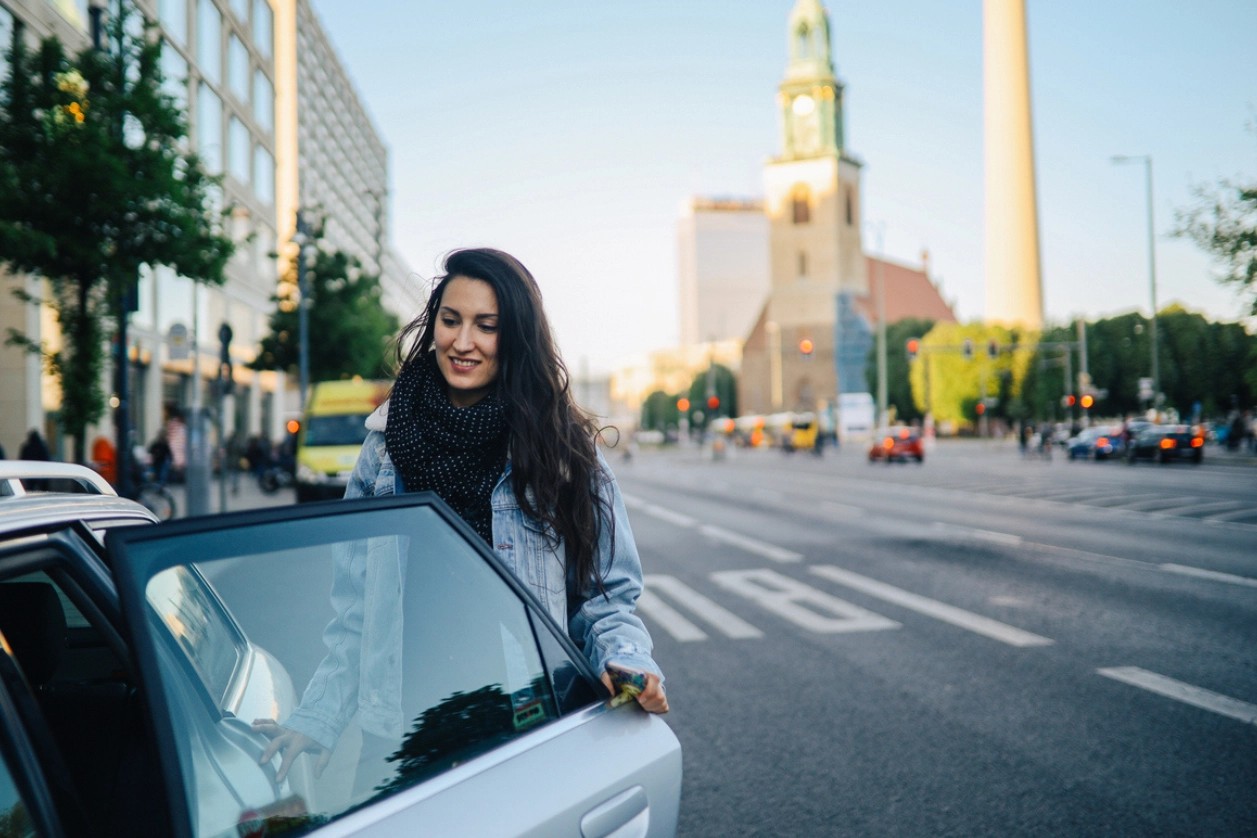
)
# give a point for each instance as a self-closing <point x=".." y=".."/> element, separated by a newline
<point x="1014" y="288"/>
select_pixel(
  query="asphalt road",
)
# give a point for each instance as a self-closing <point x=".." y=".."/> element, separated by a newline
<point x="979" y="645"/>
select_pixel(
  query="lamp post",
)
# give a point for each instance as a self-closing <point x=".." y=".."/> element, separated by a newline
<point x="303" y="239"/>
<point x="1146" y="159"/>
<point x="880" y="228"/>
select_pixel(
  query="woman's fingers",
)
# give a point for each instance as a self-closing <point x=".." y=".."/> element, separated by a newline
<point x="653" y="699"/>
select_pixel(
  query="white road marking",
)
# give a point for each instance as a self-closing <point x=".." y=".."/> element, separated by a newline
<point x="834" y="508"/>
<point x="983" y="535"/>
<point x="683" y="595"/>
<point x="932" y="608"/>
<point x="1231" y="516"/>
<point x="668" y="618"/>
<point x="1217" y="506"/>
<point x="1215" y="575"/>
<point x="803" y="605"/>
<point x="750" y="545"/>
<point x="1187" y="693"/>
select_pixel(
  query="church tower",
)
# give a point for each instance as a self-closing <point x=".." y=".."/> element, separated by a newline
<point x="812" y="199"/>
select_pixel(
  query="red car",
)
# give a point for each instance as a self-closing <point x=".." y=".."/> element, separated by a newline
<point x="899" y="443"/>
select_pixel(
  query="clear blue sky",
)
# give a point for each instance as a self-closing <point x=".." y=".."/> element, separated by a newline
<point x="569" y="133"/>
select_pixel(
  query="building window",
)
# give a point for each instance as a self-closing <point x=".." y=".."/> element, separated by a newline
<point x="209" y="40"/>
<point x="800" y="205"/>
<point x="846" y="193"/>
<point x="6" y="41"/>
<point x="174" y="19"/>
<point x="209" y="128"/>
<point x="240" y="8"/>
<point x="263" y="26"/>
<point x="263" y="175"/>
<point x="263" y="101"/>
<point x="239" y="153"/>
<point x="238" y="69"/>
<point x="802" y="265"/>
<point x="174" y="70"/>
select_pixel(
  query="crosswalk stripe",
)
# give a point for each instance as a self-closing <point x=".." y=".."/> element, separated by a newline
<point x="931" y="608"/>
<point x="714" y="615"/>
<point x="668" y="618"/>
<point x="1210" y="574"/>
<point x="1181" y="691"/>
<point x="750" y="545"/>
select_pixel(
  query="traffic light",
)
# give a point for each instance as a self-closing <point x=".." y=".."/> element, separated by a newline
<point x="806" y="346"/>
<point x="968" y="349"/>
<point x="979" y="408"/>
<point x="1087" y="401"/>
<point x="713" y="402"/>
<point x="683" y="404"/>
<point x="913" y="346"/>
<point x="1068" y="401"/>
<point x="992" y="348"/>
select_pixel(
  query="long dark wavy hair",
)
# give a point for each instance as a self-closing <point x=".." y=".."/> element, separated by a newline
<point x="554" y="463"/>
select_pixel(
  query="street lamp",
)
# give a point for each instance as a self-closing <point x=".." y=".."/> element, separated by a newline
<point x="880" y="228"/>
<point x="1146" y="159"/>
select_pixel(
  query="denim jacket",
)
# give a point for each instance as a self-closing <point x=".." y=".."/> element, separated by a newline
<point x="359" y="673"/>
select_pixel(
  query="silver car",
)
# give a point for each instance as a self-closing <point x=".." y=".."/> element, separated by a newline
<point x="132" y="671"/>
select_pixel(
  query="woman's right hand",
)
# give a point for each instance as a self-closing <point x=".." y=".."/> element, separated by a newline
<point x="289" y="744"/>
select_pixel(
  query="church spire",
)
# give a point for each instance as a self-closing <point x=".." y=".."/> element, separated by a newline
<point x="810" y="95"/>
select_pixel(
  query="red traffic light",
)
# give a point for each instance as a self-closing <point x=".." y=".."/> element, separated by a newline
<point x="913" y="346"/>
<point x="806" y="346"/>
<point x="1069" y="400"/>
<point x="713" y="402"/>
<point x="683" y="404"/>
<point x="293" y="426"/>
<point x="980" y="408"/>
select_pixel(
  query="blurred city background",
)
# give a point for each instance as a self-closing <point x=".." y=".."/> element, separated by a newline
<point x="969" y="219"/>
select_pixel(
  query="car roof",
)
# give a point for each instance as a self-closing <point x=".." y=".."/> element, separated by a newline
<point x="24" y="509"/>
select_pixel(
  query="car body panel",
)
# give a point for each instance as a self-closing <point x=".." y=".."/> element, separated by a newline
<point x="1166" y="443"/>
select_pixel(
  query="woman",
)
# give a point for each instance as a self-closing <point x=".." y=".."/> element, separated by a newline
<point x="481" y="414"/>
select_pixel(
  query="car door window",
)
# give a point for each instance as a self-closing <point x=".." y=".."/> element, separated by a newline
<point x="382" y="633"/>
<point x="15" y="815"/>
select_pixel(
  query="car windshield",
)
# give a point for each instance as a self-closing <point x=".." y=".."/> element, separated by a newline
<point x="341" y="429"/>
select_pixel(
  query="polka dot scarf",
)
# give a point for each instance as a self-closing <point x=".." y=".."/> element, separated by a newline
<point x="457" y="452"/>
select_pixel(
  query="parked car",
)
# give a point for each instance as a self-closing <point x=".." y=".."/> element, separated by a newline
<point x="1167" y="442"/>
<point x="1099" y="442"/>
<point x="898" y="443"/>
<point x="135" y="659"/>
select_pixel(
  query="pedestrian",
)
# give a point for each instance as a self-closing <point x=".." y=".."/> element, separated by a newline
<point x="160" y="457"/>
<point x="481" y="413"/>
<point x="34" y="447"/>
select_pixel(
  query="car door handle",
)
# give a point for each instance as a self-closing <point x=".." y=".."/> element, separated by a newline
<point x="627" y="815"/>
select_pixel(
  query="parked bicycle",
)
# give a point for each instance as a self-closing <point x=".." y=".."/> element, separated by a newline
<point x="152" y="493"/>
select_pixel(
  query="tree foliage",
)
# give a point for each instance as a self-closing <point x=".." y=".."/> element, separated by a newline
<point x="349" y="327"/>
<point x="94" y="183"/>
<point x="1223" y="223"/>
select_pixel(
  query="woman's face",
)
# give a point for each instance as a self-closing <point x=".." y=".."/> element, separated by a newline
<point x="466" y="339"/>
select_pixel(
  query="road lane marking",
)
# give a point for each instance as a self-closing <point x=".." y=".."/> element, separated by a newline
<point x="1230" y="516"/>
<point x="1180" y="691"/>
<point x="834" y="508"/>
<point x="750" y="545"/>
<point x="932" y="608"/>
<point x="668" y="618"/>
<point x="1215" y="575"/>
<point x="660" y="512"/>
<point x="686" y="597"/>
<point x="984" y="535"/>
<point x="1191" y="509"/>
<point x="803" y="605"/>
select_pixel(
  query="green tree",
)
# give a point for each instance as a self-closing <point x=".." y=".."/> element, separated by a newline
<point x="717" y="380"/>
<point x="94" y="183"/>
<point x="350" y="329"/>
<point x="1223" y="223"/>
<point x="948" y="382"/>
<point x="898" y="388"/>
<point x="659" y="412"/>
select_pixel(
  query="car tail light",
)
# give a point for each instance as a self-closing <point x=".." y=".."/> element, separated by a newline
<point x="1104" y="440"/>
<point x="904" y="433"/>
<point x="888" y="443"/>
<point x="1167" y="443"/>
<point x="1197" y="442"/>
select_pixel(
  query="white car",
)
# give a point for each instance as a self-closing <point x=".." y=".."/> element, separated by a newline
<point x="133" y="666"/>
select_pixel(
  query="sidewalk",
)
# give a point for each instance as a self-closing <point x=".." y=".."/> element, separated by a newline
<point x="248" y="495"/>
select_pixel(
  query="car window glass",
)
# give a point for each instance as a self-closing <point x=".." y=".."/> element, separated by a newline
<point x="15" y="818"/>
<point x="205" y="633"/>
<point x="384" y="634"/>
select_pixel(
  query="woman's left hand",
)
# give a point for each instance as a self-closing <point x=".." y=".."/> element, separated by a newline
<point x="652" y="699"/>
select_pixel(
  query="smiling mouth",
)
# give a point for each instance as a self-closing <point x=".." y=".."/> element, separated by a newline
<point x="463" y="365"/>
